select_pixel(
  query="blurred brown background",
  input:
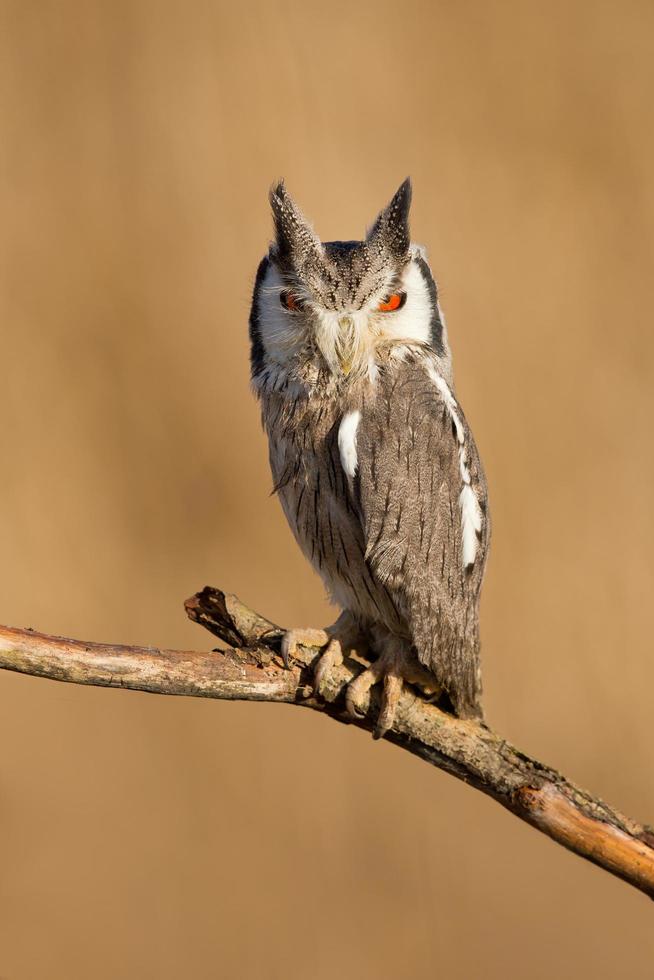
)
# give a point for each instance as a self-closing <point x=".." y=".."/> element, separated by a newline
<point x="145" y="837"/>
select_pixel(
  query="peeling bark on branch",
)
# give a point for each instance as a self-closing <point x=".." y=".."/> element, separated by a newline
<point x="251" y="669"/>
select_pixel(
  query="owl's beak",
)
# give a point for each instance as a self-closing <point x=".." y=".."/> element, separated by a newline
<point x="346" y="347"/>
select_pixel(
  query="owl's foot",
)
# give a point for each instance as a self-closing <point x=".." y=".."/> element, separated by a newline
<point x="384" y="669"/>
<point x="344" y="635"/>
<point x="332" y="655"/>
<point x="393" y="667"/>
<point x="295" y="638"/>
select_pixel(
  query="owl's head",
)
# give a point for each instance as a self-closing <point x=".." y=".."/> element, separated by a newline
<point x="329" y="308"/>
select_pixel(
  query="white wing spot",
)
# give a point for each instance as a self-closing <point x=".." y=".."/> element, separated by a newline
<point x="448" y="398"/>
<point x="471" y="516"/>
<point x="470" y="523"/>
<point x="347" y="441"/>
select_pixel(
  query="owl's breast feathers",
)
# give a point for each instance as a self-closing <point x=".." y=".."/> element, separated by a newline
<point x="385" y="493"/>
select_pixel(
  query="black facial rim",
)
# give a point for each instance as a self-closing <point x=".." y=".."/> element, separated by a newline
<point x="436" y="326"/>
<point x="257" y="353"/>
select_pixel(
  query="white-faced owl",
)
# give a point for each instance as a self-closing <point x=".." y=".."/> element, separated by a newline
<point x="372" y="457"/>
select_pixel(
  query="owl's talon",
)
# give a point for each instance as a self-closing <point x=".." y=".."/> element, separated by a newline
<point x="393" y="667"/>
<point x="353" y="709"/>
<point x="393" y="686"/>
<point x="332" y="657"/>
<point x="294" y="638"/>
<point x="357" y="689"/>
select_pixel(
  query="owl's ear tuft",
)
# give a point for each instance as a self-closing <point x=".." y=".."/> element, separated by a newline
<point x="391" y="227"/>
<point x="294" y="236"/>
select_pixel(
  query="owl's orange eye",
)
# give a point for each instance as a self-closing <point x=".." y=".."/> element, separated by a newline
<point x="289" y="301"/>
<point x="392" y="302"/>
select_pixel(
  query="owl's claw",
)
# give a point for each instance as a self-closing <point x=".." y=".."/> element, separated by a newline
<point x="332" y="657"/>
<point x="393" y="684"/>
<point x="393" y="667"/>
<point x="346" y="634"/>
<point x="357" y="689"/>
<point x="292" y="639"/>
<point x="393" y="687"/>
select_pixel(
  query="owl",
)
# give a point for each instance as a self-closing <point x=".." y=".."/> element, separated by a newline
<point x="371" y="455"/>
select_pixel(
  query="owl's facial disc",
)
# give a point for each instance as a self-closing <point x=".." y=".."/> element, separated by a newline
<point x="293" y="321"/>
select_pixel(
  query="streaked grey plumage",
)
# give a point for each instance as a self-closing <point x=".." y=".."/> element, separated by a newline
<point x="373" y="461"/>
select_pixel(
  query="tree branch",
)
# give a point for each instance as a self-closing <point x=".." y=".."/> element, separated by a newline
<point x="251" y="669"/>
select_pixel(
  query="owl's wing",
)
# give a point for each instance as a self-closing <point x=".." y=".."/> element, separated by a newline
<point x="426" y="537"/>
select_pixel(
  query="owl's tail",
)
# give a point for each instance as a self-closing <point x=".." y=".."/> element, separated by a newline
<point x="466" y="707"/>
<point x="460" y="674"/>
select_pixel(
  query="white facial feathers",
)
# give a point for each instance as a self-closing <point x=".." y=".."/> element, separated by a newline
<point x="471" y="516"/>
<point x="347" y="442"/>
<point x="412" y="322"/>
<point x="282" y="334"/>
